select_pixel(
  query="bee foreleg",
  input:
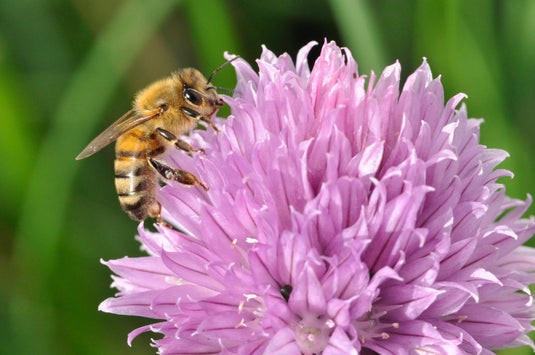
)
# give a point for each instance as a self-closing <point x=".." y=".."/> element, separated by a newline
<point x="209" y="123"/>
<point x="179" y="143"/>
<point x="182" y="176"/>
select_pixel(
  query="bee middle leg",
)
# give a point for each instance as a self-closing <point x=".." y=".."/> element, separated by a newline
<point x="182" y="176"/>
<point x="179" y="143"/>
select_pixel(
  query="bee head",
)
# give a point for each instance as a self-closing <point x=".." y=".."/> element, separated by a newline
<point x="200" y="99"/>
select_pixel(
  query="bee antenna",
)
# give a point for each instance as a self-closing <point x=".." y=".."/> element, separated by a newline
<point x="228" y="91"/>
<point x="221" y="67"/>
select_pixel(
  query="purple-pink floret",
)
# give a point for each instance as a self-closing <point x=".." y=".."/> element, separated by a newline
<point x="342" y="217"/>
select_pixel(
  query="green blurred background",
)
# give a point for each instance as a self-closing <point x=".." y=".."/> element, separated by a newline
<point x="68" y="68"/>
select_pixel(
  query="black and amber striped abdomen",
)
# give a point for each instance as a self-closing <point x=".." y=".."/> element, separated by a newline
<point x="135" y="181"/>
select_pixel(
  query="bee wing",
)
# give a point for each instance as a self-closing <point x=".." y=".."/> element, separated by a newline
<point x="128" y="121"/>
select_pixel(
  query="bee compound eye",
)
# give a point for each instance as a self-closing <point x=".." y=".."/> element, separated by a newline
<point x="192" y="96"/>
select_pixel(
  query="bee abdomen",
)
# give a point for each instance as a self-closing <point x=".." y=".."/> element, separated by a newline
<point x="140" y="206"/>
<point x="136" y="187"/>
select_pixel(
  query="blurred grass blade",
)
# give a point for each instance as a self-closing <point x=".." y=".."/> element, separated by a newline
<point x="473" y="62"/>
<point x="210" y="23"/>
<point x="49" y="188"/>
<point x="17" y="137"/>
<point x="357" y="26"/>
<point x="212" y="32"/>
<point x="42" y="51"/>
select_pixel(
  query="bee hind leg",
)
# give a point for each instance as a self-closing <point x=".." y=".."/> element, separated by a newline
<point x="182" y="176"/>
<point x="157" y="213"/>
<point x="179" y="143"/>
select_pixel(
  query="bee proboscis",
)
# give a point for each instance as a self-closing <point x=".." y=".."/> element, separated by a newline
<point x="161" y="113"/>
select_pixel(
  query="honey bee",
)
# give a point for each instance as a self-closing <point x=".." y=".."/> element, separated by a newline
<point x="161" y="113"/>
